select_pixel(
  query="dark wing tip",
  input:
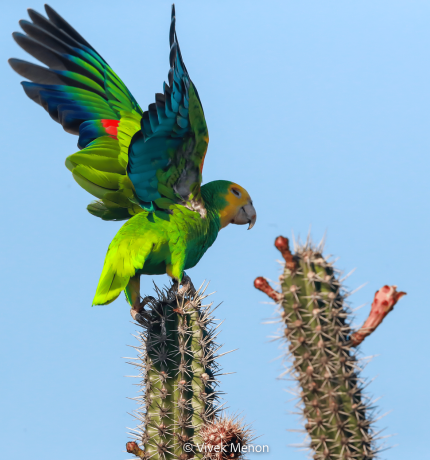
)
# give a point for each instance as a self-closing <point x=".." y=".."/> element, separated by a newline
<point x="23" y="23"/>
<point x="30" y="11"/>
<point x="60" y="23"/>
<point x="49" y="9"/>
<point x="175" y="50"/>
<point x="56" y="18"/>
<point x="34" y="15"/>
<point x="19" y="66"/>
<point x="172" y="31"/>
<point x="14" y="62"/>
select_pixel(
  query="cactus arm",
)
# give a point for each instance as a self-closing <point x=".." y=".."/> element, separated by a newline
<point x="382" y="304"/>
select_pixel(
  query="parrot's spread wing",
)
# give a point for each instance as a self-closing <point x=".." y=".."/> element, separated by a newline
<point x="81" y="92"/>
<point x="166" y="157"/>
<point x="129" y="159"/>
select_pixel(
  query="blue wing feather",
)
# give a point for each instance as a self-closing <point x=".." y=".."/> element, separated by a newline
<point x="164" y="127"/>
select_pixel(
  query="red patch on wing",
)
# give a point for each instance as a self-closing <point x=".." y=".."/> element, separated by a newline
<point x="110" y="126"/>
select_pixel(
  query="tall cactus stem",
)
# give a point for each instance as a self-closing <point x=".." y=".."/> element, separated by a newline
<point x="315" y="315"/>
<point x="178" y="367"/>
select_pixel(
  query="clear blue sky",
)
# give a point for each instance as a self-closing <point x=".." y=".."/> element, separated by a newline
<point x="321" y="110"/>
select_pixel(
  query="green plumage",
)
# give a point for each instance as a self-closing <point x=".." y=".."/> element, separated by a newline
<point x="160" y="242"/>
<point x="145" y="166"/>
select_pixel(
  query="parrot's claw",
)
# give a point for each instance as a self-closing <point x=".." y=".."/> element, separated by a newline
<point x="138" y="312"/>
<point x="187" y="287"/>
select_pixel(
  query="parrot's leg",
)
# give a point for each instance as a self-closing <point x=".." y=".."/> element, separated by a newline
<point x="180" y="277"/>
<point x="132" y="293"/>
<point x="137" y="315"/>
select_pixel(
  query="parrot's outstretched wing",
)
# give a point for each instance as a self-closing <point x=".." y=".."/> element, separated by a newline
<point x="80" y="91"/>
<point x="166" y="157"/>
<point x="129" y="159"/>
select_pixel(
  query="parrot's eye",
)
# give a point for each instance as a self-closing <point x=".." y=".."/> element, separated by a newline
<point x="236" y="192"/>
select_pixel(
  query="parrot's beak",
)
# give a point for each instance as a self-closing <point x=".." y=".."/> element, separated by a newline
<point x="251" y="213"/>
<point x="246" y="215"/>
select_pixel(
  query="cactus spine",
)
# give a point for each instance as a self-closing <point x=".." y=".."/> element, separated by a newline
<point x="314" y="311"/>
<point x="177" y="363"/>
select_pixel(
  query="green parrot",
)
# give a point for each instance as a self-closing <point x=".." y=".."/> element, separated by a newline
<point x="144" y="167"/>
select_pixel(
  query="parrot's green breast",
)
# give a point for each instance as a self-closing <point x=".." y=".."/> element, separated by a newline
<point x="182" y="231"/>
<point x="153" y="244"/>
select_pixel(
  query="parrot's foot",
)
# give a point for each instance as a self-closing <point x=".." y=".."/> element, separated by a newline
<point x="138" y="311"/>
<point x="187" y="287"/>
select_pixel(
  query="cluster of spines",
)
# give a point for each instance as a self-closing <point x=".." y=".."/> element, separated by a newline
<point x="314" y="311"/>
<point x="178" y="368"/>
<point x="225" y="438"/>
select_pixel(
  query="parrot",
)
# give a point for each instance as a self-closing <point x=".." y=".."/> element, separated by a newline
<point x="144" y="167"/>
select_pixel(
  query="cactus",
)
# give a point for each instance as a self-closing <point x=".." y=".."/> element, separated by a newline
<point x="178" y="370"/>
<point x="314" y="311"/>
<point x="225" y="438"/>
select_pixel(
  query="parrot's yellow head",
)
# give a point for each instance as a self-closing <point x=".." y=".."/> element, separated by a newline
<point x="232" y="202"/>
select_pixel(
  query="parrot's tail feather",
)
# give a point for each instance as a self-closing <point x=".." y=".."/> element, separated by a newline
<point x="110" y="286"/>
